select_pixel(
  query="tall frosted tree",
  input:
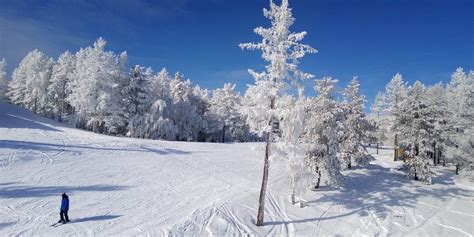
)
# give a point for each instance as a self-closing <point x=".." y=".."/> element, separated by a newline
<point x="58" y="89"/>
<point x="435" y="99"/>
<point x="379" y="116"/>
<point x="396" y="91"/>
<point x="184" y="114"/>
<point x="325" y="128"/>
<point x="138" y="100"/>
<point x="225" y="104"/>
<point x="30" y="81"/>
<point x="282" y="49"/>
<point x="292" y="144"/>
<point x="358" y="128"/>
<point x="3" y="78"/>
<point x="416" y="124"/>
<point x="96" y="89"/>
<point x="160" y="86"/>
<point x="202" y="101"/>
<point x="159" y="120"/>
<point x="460" y="120"/>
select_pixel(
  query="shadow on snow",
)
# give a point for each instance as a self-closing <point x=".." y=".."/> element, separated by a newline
<point x="166" y="151"/>
<point x="380" y="189"/>
<point x="15" y="121"/>
<point x="3" y="225"/>
<point x="96" y="218"/>
<point x="45" y="191"/>
<point x="44" y="147"/>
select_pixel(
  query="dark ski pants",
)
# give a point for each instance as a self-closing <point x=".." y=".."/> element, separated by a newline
<point x="63" y="215"/>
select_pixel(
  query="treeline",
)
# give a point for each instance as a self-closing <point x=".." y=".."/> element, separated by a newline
<point x="429" y="123"/>
<point x="92" y="89"/>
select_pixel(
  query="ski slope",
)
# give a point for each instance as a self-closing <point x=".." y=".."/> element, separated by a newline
<point x="122" y="186"/>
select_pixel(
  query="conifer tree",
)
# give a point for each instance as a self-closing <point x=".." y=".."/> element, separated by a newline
<point x="30" y="82"/>
<point x="282" y="50"/>
<point x="415" y="123"/>
<point x="58" y="89"/>
<point x="225" y="104"/>
<point x="324" y="131"/>
<point x="96" y="89"/>
<point x="460" y="120"/>
<point x="396" y="92"/>
<point x="358" y="128"/>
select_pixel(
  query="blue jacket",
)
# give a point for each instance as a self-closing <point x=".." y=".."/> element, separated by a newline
<point x="65" y="204"/>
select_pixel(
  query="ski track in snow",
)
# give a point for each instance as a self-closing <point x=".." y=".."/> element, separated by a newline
<point x="124" y="186"/>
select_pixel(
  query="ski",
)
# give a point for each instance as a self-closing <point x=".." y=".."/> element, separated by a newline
<point x="59" y="223"/>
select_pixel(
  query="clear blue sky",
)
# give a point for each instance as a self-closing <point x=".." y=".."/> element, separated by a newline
<point x="374" y="39"/>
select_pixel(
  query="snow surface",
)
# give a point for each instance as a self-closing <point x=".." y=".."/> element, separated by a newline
<point x="124" y="186"/>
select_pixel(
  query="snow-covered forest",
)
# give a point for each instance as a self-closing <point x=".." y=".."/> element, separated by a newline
<point x="319" y="138"/>
<point x="431" y="125"/>
<point x="92" y="89"/>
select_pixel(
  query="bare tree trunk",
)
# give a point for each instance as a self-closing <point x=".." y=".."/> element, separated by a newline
<point x="261" y="201"/>
<point x="457" y="169"/>
<point x="416" y="176"/>
<point x="377" y="148"/>
<point x="293" y="199"/>
<point x="223" y="133"/>
<point x="438" y="156"/>
<point x="395" y="148"/>
<point x="36" y="101"/>
<point x="319" y="179"/>
<point x="349" y="165"/>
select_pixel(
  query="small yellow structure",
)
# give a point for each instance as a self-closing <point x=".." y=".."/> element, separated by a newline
<point x="399" y="153"/>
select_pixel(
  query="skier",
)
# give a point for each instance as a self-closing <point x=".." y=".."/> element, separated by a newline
<point x="64" y="208"/>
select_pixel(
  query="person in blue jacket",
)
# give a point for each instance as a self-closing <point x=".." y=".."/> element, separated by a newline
<point x="64" y="208"/>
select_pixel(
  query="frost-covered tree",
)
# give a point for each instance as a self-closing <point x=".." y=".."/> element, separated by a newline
<point x="396" y="92"/>
<point x="3" y="78"/>
<point x="460" y="120"/>
<point x="379" y="116"/>
<point x="138" y="100"/>
<point x="160" y="86"/>
<point x="435" y="100"/>
<point x="184" y="114"/>
<point x="209" y="125"/>
<point x="96" y="89"/>
<point x="225" y="104"/>
<point x="157" y="125"/>
<point x="415" y="124"/>
<point x="30" y="82"/>
<point x="158" y="120"/>
<point x="358" y="128"/>
<point x="58" y="89"/>
<point x="292" y="143"/>
<point x="282" y="49"/>
<point x="324" y="130"/>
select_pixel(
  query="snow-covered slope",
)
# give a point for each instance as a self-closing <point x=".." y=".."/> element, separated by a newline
<point x="122" y="186"/>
